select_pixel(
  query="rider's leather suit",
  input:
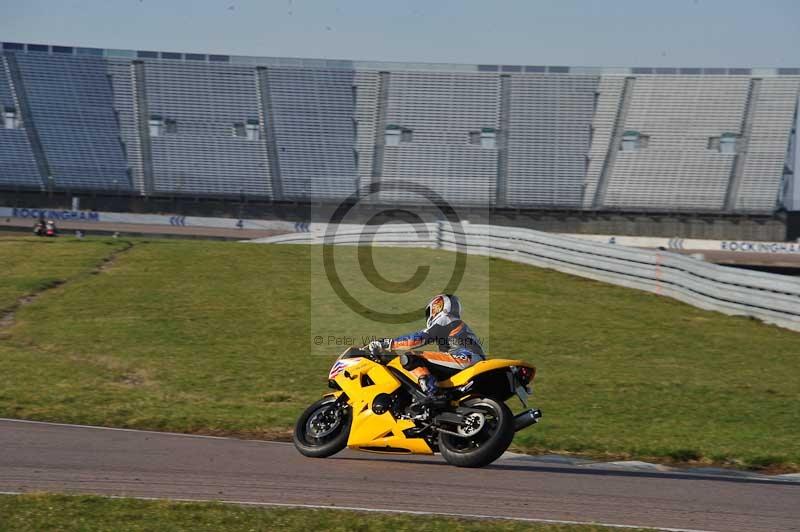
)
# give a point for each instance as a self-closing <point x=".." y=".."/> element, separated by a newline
<point x="458" y="345"/>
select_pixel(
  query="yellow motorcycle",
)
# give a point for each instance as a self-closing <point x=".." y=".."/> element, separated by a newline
<point x="377" y="406"/>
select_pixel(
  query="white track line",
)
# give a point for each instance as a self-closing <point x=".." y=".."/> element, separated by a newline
<point x="379" y="510"/>
<point x="70" y="425"/>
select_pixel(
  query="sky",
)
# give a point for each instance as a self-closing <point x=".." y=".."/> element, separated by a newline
<point x="677" y="33"/>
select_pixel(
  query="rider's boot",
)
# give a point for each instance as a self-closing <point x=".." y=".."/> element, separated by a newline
<point x="430" y="388"/>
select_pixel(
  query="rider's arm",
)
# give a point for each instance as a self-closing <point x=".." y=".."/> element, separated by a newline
<point x="411" y="340"/>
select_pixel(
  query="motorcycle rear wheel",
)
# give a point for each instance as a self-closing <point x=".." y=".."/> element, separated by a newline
<point x="322" y="429"/>
<point x="486" y="446"/>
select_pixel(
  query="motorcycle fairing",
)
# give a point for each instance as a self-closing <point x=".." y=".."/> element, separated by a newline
<point x="362" y="382"/>
<point x="464" y="376"/>
<point x="340" y="365"/>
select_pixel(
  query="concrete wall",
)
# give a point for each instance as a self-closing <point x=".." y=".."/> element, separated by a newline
<point x="713" y="227"/>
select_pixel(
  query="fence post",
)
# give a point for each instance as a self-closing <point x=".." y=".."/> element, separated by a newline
<point x="658" y="273"/>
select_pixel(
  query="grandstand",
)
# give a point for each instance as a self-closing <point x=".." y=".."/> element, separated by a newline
<point x="578" y="139"/>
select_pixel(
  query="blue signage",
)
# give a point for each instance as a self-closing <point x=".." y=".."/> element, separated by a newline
<point x="760" y="247"/>
<point x="87" y="216"/>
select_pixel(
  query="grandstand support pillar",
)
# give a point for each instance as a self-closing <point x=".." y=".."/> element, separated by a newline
<point x="792" y="200"/>
<point x="20" y="95"/>
<point x="143" y="126"/>
<point x="270" y="134"/>
<point x="615" y="144"/>
<point x="380" y="129"/>
<point x="742" y="146"/>
<point x="502" y="152"/>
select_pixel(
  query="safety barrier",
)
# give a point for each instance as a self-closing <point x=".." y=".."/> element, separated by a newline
<point x="769" y="297"/>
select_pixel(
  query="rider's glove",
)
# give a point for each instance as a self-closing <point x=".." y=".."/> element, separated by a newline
<point x="376" y="347"/>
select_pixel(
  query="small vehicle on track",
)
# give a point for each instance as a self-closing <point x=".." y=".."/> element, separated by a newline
<point x="377" y="406"/>
<point x="45" y="228"/>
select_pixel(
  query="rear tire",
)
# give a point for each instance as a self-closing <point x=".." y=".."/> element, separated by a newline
<point x="488" y="444"/>
<point x="322" y="430"/>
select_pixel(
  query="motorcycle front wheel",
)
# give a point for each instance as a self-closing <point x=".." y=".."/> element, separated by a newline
<point x="483" y="438"/>
<point x="322" y="430"/>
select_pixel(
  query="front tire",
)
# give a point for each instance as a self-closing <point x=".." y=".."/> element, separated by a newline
<point x="322" y="429"/>
<point x="486" y="446"/>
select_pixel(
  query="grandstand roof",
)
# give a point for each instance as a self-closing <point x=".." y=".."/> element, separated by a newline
<point x="393" y="65"/>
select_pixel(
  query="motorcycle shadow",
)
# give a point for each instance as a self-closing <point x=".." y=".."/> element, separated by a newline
<point x="733" y="476"/>
<point x="596" y="471"/>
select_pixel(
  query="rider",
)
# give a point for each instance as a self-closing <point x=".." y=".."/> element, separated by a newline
<point x="459" y="346"/>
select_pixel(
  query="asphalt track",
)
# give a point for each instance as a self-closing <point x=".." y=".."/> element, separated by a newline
<point x="746" y="258"/>
<point x="118" y="462"/>
<point x="67" y="229"/>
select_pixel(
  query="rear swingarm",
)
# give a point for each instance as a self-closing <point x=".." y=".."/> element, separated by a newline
<point x="522" y="420"/>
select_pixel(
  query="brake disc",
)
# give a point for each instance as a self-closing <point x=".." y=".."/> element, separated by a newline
<point x="473" y="424"/>
<point x="322" y="423"/>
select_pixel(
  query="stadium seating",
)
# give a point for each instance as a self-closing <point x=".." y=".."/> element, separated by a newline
<point x="17" y="164"/>
<point x="202" y="155"/>
<point x="367" y="96"/>
<point x="313" y="113"/>
<point x="435" y="113"/>
<point x="600" y="139"/>
<point x="677" y="169"/>
<point x="603" y="130"/>
<point x="72" y="110"/>
<point x="774" y="114"/>
<point x="549" y="138"/>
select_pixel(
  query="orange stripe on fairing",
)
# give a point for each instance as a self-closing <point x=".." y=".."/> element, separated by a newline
<point x="457" y="329"/>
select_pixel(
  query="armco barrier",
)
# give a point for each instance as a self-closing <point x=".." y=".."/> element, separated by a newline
<point x="771" y="298"/>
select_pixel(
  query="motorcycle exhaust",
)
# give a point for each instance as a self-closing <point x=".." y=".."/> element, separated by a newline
<point x="526" y="419"/>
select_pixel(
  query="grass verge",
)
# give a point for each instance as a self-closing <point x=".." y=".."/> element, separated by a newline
<point x="22" y="513"/>
<point x="219" y="338"/>
<point x="31" y="265"/>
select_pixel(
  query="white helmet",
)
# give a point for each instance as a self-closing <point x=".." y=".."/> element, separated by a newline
<point x="443" y="309"/>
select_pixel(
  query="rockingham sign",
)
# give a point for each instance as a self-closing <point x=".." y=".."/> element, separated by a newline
<point x="686" y="244"/>
<point x="760" y="247"/>
<point x="82" y="216"/>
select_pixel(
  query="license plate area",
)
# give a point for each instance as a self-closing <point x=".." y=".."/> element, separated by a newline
<point x="523" y="395"/>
